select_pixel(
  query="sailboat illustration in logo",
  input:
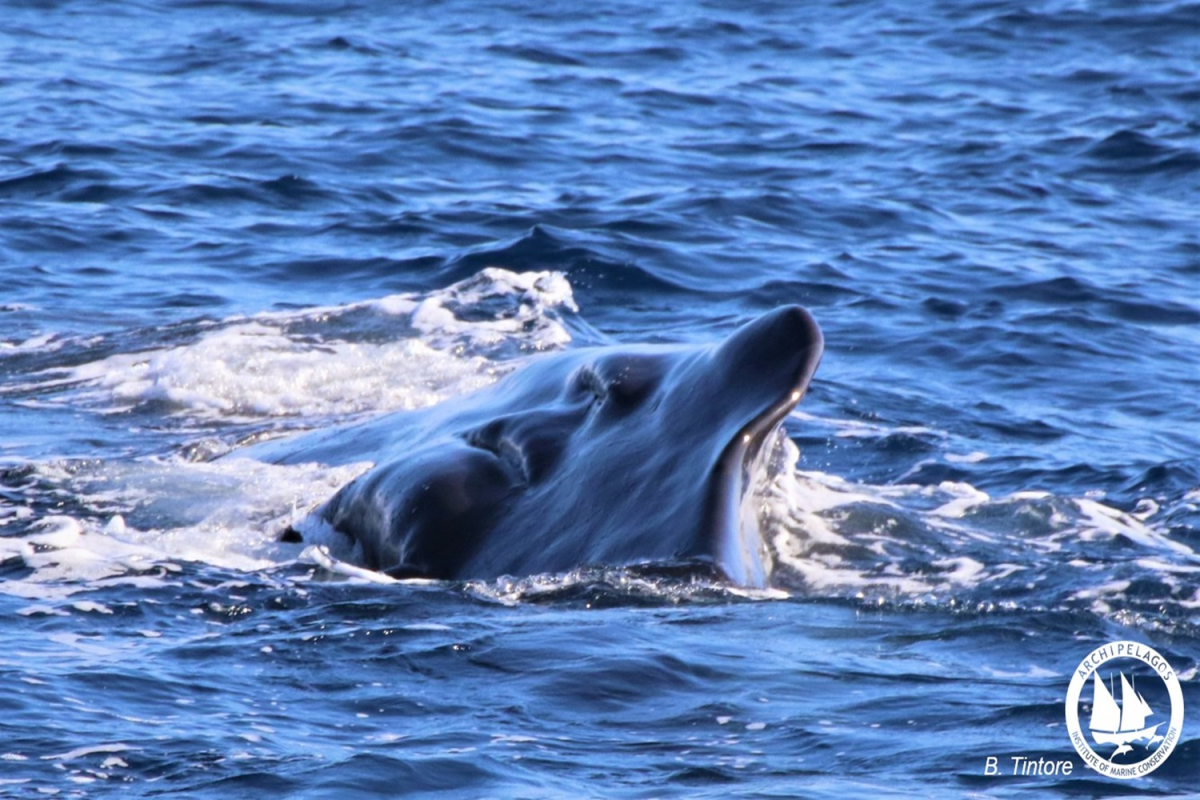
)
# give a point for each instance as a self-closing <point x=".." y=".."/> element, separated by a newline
<point x="1120" y="725"/>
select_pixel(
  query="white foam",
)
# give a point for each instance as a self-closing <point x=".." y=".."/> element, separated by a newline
<point x="250" y="370"/>
<point x="1098" y="520"/>
<point x="336" y="360"/>
<point x="841" y="538"/>
<point x="88" y="750"/>
<point x="87" y="607"/>
<point x="11" y="513"/>
<point x="42" y="611"/>
<point x="965" y="498"/>
<point x="44" y="342"/>
<point x="1035" y="672"/>
<point x="974" y="457"/>
<point x="228" y="513"/>
<point x="961" y="570"/>
<point x="536" y="293"/>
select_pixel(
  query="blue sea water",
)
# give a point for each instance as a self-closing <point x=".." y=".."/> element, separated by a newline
<point x="223" y="221"/>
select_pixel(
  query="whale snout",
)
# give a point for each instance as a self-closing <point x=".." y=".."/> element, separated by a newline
<point x="759" y="373"/>
<point x="753" y="379"/>
<point x="778" y="351"/>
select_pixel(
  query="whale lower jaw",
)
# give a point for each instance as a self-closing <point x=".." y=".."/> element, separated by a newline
<point x="737" y="546"/>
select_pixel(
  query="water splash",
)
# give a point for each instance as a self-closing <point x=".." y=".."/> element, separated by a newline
<point x="398" y="352"/>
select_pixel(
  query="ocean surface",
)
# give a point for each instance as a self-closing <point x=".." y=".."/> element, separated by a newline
<point x="222" y="222"/>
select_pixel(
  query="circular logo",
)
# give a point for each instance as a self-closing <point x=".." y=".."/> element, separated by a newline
<point x="1124" y="710"/>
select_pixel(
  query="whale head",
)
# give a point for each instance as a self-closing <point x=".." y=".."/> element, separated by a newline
<point x="596" y="456"/>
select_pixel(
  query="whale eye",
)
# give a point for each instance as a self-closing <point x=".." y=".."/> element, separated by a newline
<point x="629" y="388"/>
<point x="621" y="383"/>
<point x="632" y="379"/>
<point x="587" y="382"/>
